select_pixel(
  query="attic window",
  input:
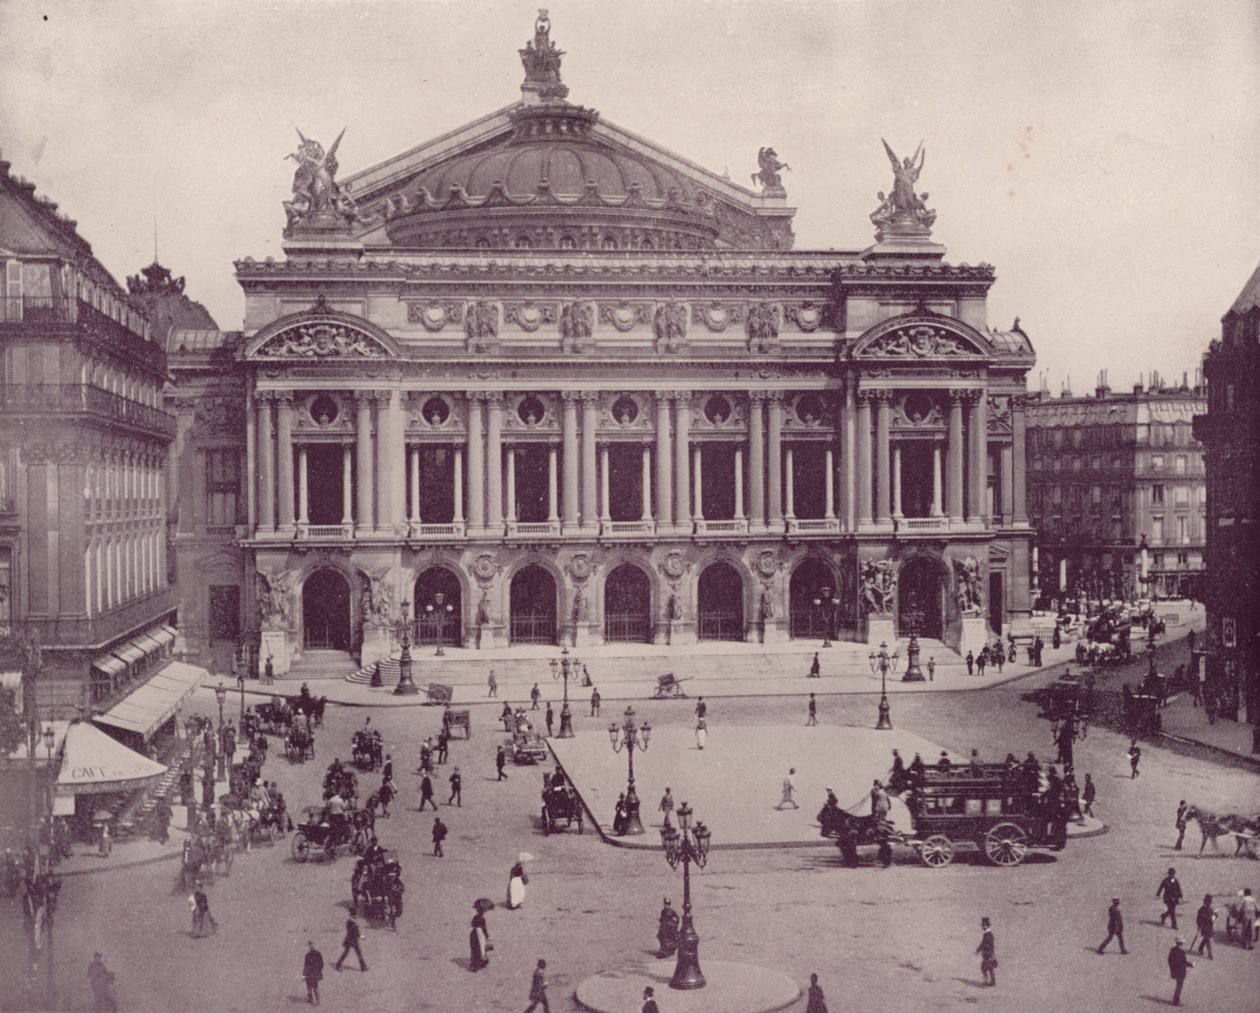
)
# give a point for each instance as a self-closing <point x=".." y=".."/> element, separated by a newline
<point x="523" y="243"/>
<point x="568" y="243"/>
<point x="609" y="243"/>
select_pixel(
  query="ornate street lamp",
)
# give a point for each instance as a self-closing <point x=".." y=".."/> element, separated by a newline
<point x="440" y="609"/>
<point x="565" y="667"/>
<point x="827" y="601"/>
<point x="405" y="686"/>
<point x="881" y="661"/>
<point x="913" y="672"/>
<point x="686" y="844"/>
<point x="220" y="694"/>
<point x="629" y="736"/>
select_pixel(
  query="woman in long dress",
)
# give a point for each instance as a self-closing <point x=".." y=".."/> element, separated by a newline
<point x="516" y="887"/>
<point x="478" y="943"/>
<point x="702" y="732"/>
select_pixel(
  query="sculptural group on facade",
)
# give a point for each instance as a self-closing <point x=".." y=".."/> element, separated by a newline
<point x="378" y="597"/>
<point x="762" y="325"/>
<point x="917" y="341"/>
<point x="481" y="322"/>
<point x="903" y="206"/>
<point x="879" y="589"/>
<point x="316" y="193"/>
<point x="311" y="341"/>
<point x="577" y="321"/>
<point x="274" y="607"/>
<point x="669" y="323"/>
<point x="967" y="577"/>
<point x="768" y="177"/>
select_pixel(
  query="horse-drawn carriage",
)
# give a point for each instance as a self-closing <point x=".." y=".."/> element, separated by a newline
<point x="528" y="745"/>
<point x="851" y="830"/>
<point x="274" y="716"/>
<point x="255" y="821"/>
<point x="378" y="887"/>
<point x="328" y="833"/>
<point x="299" y="743"/>
<point x="560" y="804"/>
<point x="340" y="780"/>
<point x="205" y="855"/>
<point x="365" y="749"/>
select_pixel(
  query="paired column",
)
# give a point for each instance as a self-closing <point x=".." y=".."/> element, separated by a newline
<point x="458" y="516"/>
<point x="415" y="485"/>
<point x="936" y="479"/>
<point x="698" y="457"/>
<point x="571" y="464"/>
<point x="790" y="485"/>
<point x="590" y="420"/>
<point x="605" y="515"/>
<point x="830" y="481"/>
<point x="756" y="461"/>
<point x="954" y="490"/>
<point x="978" y="507"/>
<point x="863" y="436"/>
<point x="284" y="462"/>
<point x="347" y="484"/>
<point x="1018" y="510"/>
<point x="647" y="483"/>
<point x="251" y="469"/>
<point x="848" y="459"/>
<point x="896" y="480"/>
<point x="883" y="458"/>
<point x="304" y="497"/>
<point x="552" y="515"/>
<point x="682" y="458"/>
<point x="774" y="462"/>
<point x="476" y="464"/>
<point x="363" y="452"/>
<point x="664" y="466"/>
<point x="266" y="466"/>
<point x="384" y="473"/>
<point x="494" y="462"/>
<point x="511" y="485"/>
<point x="739" y="482"/>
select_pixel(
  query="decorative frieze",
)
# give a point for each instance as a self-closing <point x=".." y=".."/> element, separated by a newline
<point x="625" y="316"/>
<point x="435" y="316"/>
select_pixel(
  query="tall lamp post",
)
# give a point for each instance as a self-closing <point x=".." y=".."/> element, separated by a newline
<point x="51" y="885"/>
<point x="827" y="601"/>
<point x="913" y="672"/>
<point x="220" y="694"/>
<point x="629" y="736"/>
<point x="405" y="686"/>
<point x="686" y="844"/>
<point x="440" y="609"/>
<point x="881" y="661"/>
<point x="565" y="667"/>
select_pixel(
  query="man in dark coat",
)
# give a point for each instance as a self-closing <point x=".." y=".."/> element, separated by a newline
<point x="101" y="980"/>
<point x="426" y="791"/>
<point x="500" y="761"/>
<point x="551" y="717"/>
<point x="538" y="989"/>
<point x="1115" y="926"/>
<point x="439" y="835"/>
<point x="667" y="930"/>
<point x="1180" y="821"/>
<point x="351" y="942"/>
<point x="1178" y="965"/>
<point x="444" y="740"/>
<point x="649" y="1001"/>
<point x="971" y="663"/>
<point x="1170" y="890"/>
<point x="457" y="786"/>
<point x="312" y="965"/>
<point x="1205" y="922"/>
<point x="815" y="668"/>
<point x="387" y="771"/>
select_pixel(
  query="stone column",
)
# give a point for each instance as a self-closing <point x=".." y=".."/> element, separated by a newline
<point x="863" y="440"/>
<point x="590" y="422"/>
<point x="664" y="466"/>
<point x="883" y="457"/>
<point x="954" y="455"/>
<point x="571" y="461"/>
<point x="347" y="485"/>
<point x="494" y="463"/>
<point x="605" y="515"/>
<point x="1019" y="434"/>
<point x="896" y="480"/>
<point x="682" y="459"/>
<point x="457" y="516"/>
<point x="397" y="430"/>
<point x="251" y="470"/>
<point x="774" y="462"/>
<point x="698" y="457"/>
<point x="511" y="485"/>
<point x="830" y="480"/>
<point x="978" y="508"/>
<point x="385" y="465"/>
<point x="1003" y="506"/>
<point x="936" y="478"/>
<point x="415" y="485"/>
<point x="739" y="482"/>
<point x="790" y="484"/>
<point x="476" y="464"/>
<point x="266" y="466"/>
<point x="284" y="461"/>
<point x="304" y="497"/>
<point x="363" y="514"/>
<point x="552" y="505"/>
<point x="646" y="513"/>
<point x="756" y="462"/>
<point x="848" y="460"/>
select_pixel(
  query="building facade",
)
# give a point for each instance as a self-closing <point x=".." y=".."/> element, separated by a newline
<point x="83" y="463"/>
<point x="1116" y="492"/>
<point x="1230" y="432"/>
<point x="542" y="380"/>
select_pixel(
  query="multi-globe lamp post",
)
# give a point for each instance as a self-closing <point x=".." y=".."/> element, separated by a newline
<point x="830" y="604"/>
<point x="913" y="672"/>
<point x="440" y="609"/>
<point x="686" y="844"/>
<point x="630" y="736"/>
<point x="405" y="686"/>
<point x="881" y="662"/>
<point x="220" y="694"/>
<point x="564" y="667"/>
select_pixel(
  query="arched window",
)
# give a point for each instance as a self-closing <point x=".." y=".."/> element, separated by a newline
<point x="568" y="243"/>
<point x="523" y="243"/>
<point x="609" y="243"/>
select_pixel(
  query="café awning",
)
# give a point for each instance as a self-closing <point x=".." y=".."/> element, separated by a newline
<point x="151" y="704"/>
<point x="92" y="763"/>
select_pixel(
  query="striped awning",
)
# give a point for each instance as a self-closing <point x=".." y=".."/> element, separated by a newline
<point x="164" y="635"/>
<point x="148" y="706"/>
<point x="108" y="664"/>
<point x="129" y="652"/>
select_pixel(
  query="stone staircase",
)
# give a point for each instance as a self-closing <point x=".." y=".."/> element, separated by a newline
<point x="317" y="664"/>
<point x="134" y="819"/>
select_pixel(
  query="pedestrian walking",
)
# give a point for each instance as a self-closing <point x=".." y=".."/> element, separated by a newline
<point x="815" y="668"/>
<point x="538" y="989"/>
<point x="620" y="815"/>
<point x="351" y="942"/>
<point x="702" y="732"/>
<point x="478" y="942"/>
<point x="493" y="684"/>
<point x="439" y="835"/>
<point x="667" y="804"/>
<point x="1180" y="821"/>
<point x="667" y="930"/>
<point x="551" y="717"/>
<point x="269" y="672"/>
<point x="879" y="801"/>
<point x="313" y="972"/>
<point x="971" y="663"/>
<point x="813" y="712"/>
<point x="649" y="1001"/>
<point x="200" y="905"/>
<point x="1115" y="927"/>
<point x="1205" y="923"/>
<point x="1170" y="890"/>
<point x="817" y="1001"/>
<point x="999" y="656"/>
<point x="988" y="952"/>
<point x="1247" y="909"/>
<point x="931" y="667"/>
<point x="500" y="761"/>
<point x="517" y="881"/>
<point x="1178" y="965"/>
<point x="426" y="791"/>
<point x="457" y="786"/>
<point x="702" y="709"/>
<point x="387" y="771"/>
<point x="789" y="790"/>
<point x="982" y="660"/>
<point x="1011" y="654"/>
<point x="444" y="739"/>
<point x="101" y="980"/>
<point x="595" y="703"/>
<point x="1088" y="793"/>
<point x="1135" y="757"/>
<point x="535" y="695"/>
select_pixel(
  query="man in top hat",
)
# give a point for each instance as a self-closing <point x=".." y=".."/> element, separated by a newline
<point x="1178" y="965"/>
<point x="1115" y="926"/>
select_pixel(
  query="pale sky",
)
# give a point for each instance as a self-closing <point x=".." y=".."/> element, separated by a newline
<point x="1102" y="155"/>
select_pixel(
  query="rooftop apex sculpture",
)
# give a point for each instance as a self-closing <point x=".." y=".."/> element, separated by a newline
<point x="903" y="212"/>
<point x="768" y="177"/>
<point x="319" y="201"/>
<point x="541" y="58"/>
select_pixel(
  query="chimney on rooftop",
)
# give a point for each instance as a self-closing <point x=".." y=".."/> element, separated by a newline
<point x="1102" y="390"/>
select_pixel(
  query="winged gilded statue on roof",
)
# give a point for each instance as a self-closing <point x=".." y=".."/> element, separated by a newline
<point x="904" y="207"/>
<point x="318" y="199"/>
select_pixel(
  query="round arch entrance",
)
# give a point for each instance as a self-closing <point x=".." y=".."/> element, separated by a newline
<point x="921" y="588"/>
<point x="628" y="606"/>
<point x="813" y="581"/>
<point x="532" y="607"/>
<point x="326" y="611"/>
<point x="438" y="608"/>
<point x="720" y="603"/>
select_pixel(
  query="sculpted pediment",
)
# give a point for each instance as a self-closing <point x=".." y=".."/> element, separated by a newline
<point x="322" y="335"/>
<point x="914" y="338"/>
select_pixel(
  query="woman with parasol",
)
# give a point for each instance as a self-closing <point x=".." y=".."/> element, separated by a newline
<point x="479" y="936"/>
<point x="517" y="881"/>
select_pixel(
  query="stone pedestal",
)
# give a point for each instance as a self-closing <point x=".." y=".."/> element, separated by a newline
<point x="378" y="642"/>
<point x="581" y="635"/>
<point x="974" y="635"/>
<point x="275" y="645"/>
<point x="881" y="629"/>
<point x="488" y="636"/>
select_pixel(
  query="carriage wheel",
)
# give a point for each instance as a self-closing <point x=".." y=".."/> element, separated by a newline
<point x="937" y="851"/>
<point x="300" y="848"/>
<point x="1005" y="844"/>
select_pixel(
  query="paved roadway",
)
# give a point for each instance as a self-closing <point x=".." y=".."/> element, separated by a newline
<point x="897" y="939"/>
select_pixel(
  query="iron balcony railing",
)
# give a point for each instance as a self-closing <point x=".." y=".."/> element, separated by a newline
<point x="80" y="398"/>
<point x="32" y="312"/>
